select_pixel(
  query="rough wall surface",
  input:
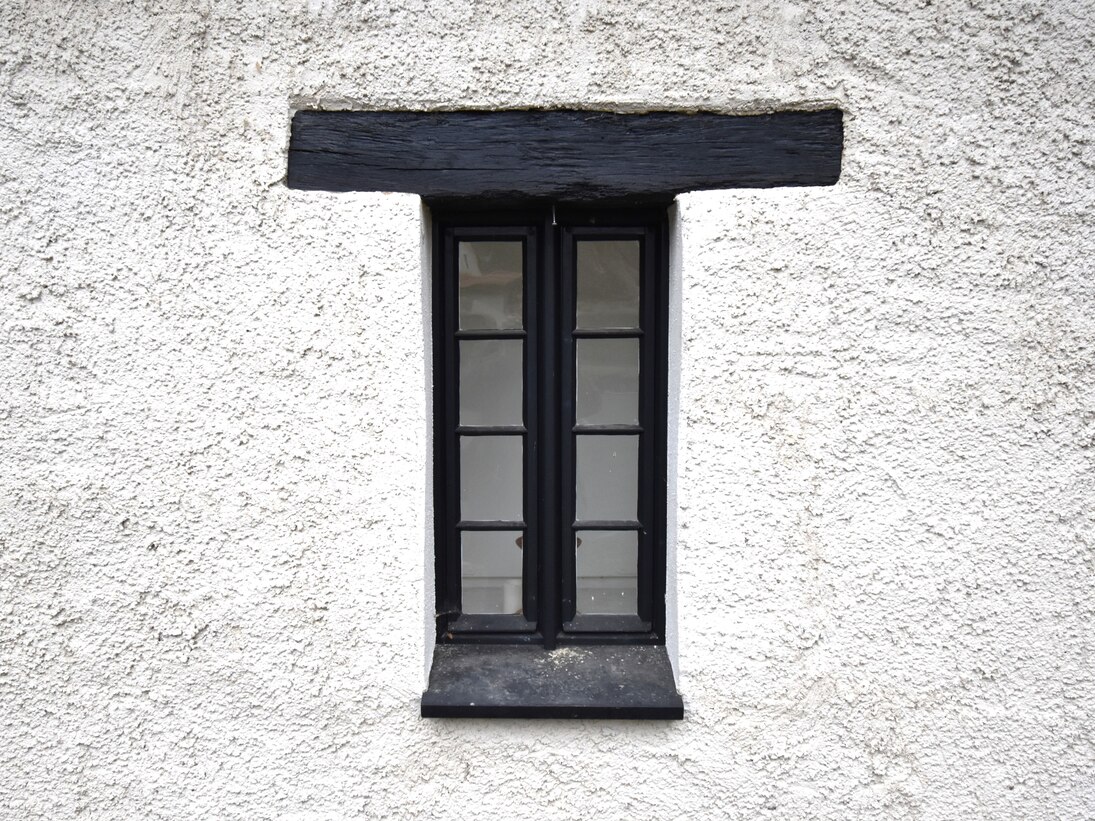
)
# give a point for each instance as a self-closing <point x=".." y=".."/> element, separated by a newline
<point x="213" y="414"/>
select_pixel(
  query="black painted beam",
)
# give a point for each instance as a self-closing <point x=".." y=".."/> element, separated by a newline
<point x="561" y="155"/>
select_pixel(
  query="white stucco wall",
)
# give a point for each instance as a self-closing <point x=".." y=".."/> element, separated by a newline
<point x="213" y="418"/>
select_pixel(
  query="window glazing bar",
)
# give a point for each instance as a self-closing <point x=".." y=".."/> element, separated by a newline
<point x="491" y="430"/>
<point x="607" y="524"/>
<point x="474" y="524"/>
<point x="607" y="333"/>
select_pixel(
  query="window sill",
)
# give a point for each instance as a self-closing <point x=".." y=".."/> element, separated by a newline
<point x="523" y="681"/>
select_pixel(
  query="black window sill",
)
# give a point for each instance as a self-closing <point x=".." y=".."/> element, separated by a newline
<point x="525" y="681"/>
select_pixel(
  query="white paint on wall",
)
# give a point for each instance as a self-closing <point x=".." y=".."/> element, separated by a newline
<point x="673" y="437"/>
<point x="215" y="428"/>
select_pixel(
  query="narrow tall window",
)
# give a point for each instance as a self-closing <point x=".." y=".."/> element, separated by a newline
<point x="550" y="346"/>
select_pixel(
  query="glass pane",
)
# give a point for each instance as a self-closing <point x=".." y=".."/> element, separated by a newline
<point x="608" y="283"/>
<point x="608" y="382"/>
<point x="491" y="382"/>
<point x="490" y="277"/>
<point x="490" y="571"/>
<point x="606" y="569"/>
<point x="491" y="481"/>
<point x="607" y="468"/>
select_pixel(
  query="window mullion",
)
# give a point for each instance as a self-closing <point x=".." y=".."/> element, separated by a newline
<point x="550" y="520"/>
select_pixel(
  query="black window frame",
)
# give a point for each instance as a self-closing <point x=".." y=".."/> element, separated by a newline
<point x="550" y="233"/>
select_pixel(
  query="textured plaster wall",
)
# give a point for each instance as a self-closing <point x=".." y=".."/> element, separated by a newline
<point x="214" y="418"/>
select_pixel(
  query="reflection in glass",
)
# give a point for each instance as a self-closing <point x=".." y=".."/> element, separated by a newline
<point x="608" y="284"/>
<point x="606" y="571"/>
<point x="490" y="382"/>
<point x="490" y="478"/>
<point x="607" y="382"/>
<point x="490" y="279"/>
<point x="607" y="481"/>
<point x="490" y="571"/>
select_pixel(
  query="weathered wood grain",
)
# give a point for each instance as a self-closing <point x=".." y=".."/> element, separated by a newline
<point x="561" y="155"/>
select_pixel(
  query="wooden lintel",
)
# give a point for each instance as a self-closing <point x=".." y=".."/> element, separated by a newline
<point x="561" y="155"/>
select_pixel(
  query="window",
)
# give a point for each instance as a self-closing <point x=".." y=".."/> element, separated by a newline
<point x="550" y="423"/>
<point x="550" y="345"/>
